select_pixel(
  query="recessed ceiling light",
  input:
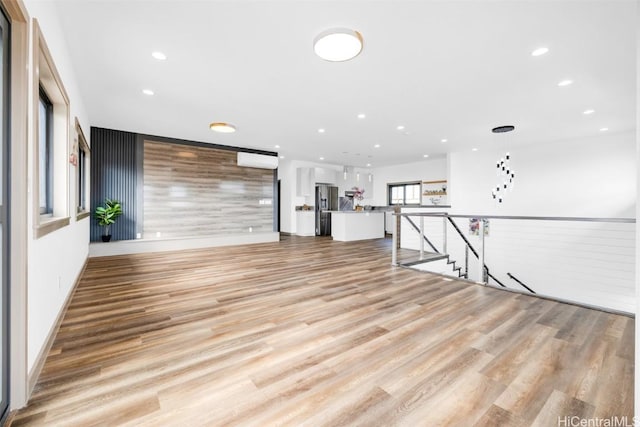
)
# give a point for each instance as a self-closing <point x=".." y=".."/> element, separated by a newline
<point x="338" y="44"/>
<point x="159" y="56"/>
<point x="361" y="116"/>
<point x="565" y="83"/>
<point x="276" y="146"/>
<point x="376" y="146"/>
<point x="587" y="112"/>
<point x="425" y="155"/>
<point x="147" y="92"/>
<point x="540" y="51"/>
<point x="474" y="149"/>
<point x="321" y="158"/>
<point x="222" y="127"/>
<point x="320" y="130"/>
<point x="400" y="127"/>
<point x="282" y="157"/>
<point x="368" y="164"/>
<point x="604" y="129"/>
<point x="443" y="140"/>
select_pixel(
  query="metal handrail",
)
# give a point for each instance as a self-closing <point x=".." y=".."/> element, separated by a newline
<point x="520" y="217"/>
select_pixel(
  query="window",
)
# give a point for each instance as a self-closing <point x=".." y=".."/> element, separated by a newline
<point x="45" y="153"/>
<point x="82" y="176"/>
<point x="404" y="194"/>
<point x="50" y="183"/>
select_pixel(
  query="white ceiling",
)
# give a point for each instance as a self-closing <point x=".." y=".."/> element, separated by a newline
<point x="443" y="69"/>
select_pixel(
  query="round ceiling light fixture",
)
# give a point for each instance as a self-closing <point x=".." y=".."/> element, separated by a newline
<point x="503" y="129"/>
<point x="222" y="127"/>
<point x="338" y="44"/>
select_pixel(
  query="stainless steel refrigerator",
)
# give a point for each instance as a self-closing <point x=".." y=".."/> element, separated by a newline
<point x="326" y="200"/>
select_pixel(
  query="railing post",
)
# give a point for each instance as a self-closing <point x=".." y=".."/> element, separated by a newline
<point x="421" y="238"/>
<point x="466" y="261"/>
<point x="394" y="241"/>
<point x="481" y="254"/>
<point x="444" y="235"/>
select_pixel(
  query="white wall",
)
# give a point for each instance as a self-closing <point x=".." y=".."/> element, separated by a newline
<point x="55" y="260"/>
<point x="591" y="177"/>
<point x="425" y="170"/>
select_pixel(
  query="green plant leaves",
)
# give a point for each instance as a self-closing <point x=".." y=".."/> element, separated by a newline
<point x="107" y="214"/>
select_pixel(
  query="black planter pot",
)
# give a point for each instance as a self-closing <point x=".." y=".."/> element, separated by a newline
<point x="106" y="238"/>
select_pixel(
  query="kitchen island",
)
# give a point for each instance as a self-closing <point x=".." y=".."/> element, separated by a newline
<point x="347" y="226"/>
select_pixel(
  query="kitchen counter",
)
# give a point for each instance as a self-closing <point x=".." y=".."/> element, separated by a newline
<point x="347" y="226"/>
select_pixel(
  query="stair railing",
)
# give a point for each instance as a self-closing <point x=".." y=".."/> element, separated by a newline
<point x="597" y="263"/>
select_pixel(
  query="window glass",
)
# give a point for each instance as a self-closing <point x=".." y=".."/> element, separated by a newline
<point x="404" y="194"/>
<point x="44" y="153"/>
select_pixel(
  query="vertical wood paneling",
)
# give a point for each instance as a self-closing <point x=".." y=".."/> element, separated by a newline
<point x="114" y="175"/>
<point x="199" y="191"/>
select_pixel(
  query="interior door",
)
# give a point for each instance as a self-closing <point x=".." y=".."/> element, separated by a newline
<point x="4" y="228"/>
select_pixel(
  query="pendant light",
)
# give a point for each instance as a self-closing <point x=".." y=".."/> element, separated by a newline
<point x="504" y="171"/>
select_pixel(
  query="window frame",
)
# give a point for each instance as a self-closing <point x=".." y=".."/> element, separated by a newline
<point x="404" y="185"/>
<point x="45" y="75"/>
<point x="82" y="174"/>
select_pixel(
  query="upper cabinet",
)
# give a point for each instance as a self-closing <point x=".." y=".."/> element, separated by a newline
<point x="325" y="176"/>
<point x="305" y="182"/>
<point x="307" y="178"/>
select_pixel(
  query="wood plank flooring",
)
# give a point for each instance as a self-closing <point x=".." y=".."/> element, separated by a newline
<point x="313" y="332"/>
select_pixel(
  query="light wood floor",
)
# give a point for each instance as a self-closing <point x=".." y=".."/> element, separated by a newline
<point x="314" y="332"/>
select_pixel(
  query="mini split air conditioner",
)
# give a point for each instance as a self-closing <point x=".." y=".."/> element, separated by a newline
<point x="252" y="160"/>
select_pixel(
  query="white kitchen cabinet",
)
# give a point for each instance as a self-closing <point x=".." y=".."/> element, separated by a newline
<point x="389" y="221"/>
<point x="325" y="176"/>
<point x="306" y="223"/>
<point x="305" y="182"/>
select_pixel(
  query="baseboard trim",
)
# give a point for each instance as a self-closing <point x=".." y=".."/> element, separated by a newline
<point x="32" y="377"/>
<point x="126" y="247"/>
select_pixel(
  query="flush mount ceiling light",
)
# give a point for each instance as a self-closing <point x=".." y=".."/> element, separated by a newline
<point x="564" y="83"/>
<point x="587" y="112"/>
<point x="159" y="56"/>
<point x="400" y="127"/>
<point x="540" y="51"/>
<point x="222" y="127"/>
<point x="361" y="116"/>
<point x="320" y="130"/>
<point x="338" y="44"/>
<point x="443" y="140"/>
<point x="148" y="92"/>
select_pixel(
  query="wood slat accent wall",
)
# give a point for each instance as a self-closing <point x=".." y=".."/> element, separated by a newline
<point x="199" y="191"/>
<point x="114" y="174"/>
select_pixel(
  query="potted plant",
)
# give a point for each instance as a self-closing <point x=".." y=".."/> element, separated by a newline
<point x="107" y="215"/>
